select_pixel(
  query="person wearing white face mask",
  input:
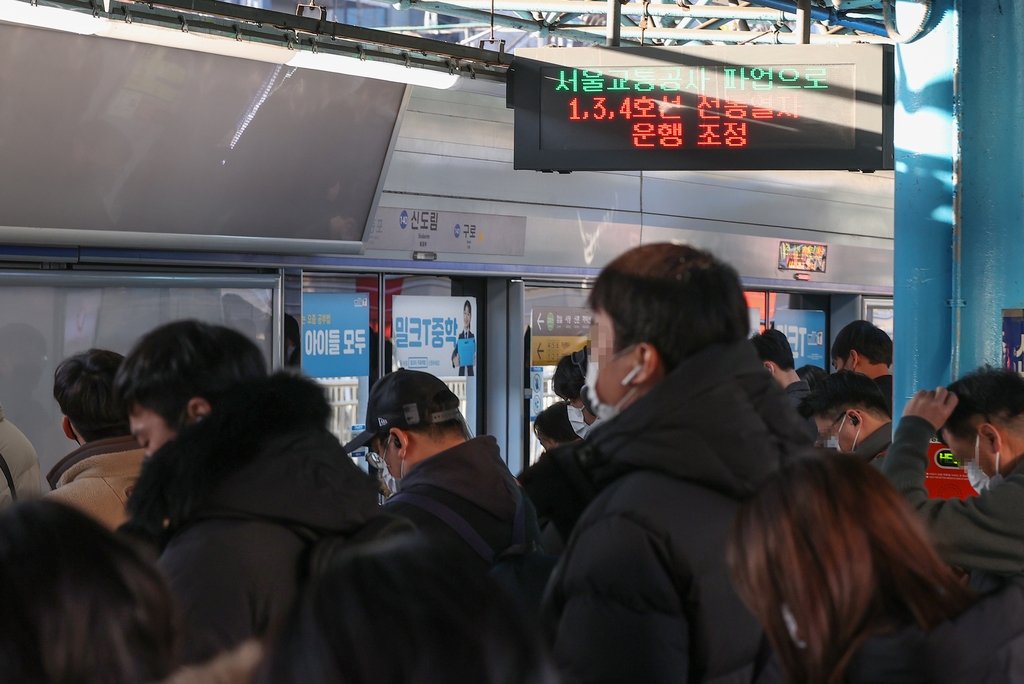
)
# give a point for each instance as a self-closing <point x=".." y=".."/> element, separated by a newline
<point x="568" y="383"/>
<point x="852" y="415"/>
<point x="981" y="418"/>
<point x="691" y="425"/>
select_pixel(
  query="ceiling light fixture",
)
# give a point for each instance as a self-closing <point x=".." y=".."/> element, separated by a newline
<point x="82" y="23"/>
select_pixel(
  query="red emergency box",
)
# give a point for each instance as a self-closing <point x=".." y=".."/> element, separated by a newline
<point x="944" y="478"/>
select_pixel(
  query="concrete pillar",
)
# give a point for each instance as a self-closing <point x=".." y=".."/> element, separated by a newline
<point x="959" y="221"/>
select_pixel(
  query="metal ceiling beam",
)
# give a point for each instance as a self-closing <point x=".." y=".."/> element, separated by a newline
<point x="731" y="37"/>
<point x="327" y="29"/>
<point x="631" y="9"/>
<point x="828" y="15"/>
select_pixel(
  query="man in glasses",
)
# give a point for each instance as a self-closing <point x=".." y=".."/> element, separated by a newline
<point x="455" y="489"/>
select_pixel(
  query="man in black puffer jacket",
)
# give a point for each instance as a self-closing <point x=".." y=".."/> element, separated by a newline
<point x="225" y="497"/>
<point x="691" y="425"/>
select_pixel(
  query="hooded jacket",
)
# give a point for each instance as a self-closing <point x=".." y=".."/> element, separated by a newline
<point x="218" y="501"/>
<point x="642" y="593"/>
<point x="98" y="478"/>
<point x="22" y="462"/>
<point x="982" y="645"/>
<point x="472" y="480"/>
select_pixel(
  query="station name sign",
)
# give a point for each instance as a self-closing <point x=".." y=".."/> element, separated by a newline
<point x="769" y="107"/>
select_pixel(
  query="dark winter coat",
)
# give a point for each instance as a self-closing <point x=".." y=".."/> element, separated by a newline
<point x="642" y="593"/>
<point x="983" y="645"/>
<point x="264" y="453"/>
<point x="796" y="392"/>
<point x="983" y="533"/>
<point x="472" y="480"/>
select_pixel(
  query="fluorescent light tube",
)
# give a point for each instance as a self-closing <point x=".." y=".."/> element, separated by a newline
<point x="15" y="12"/>
<point x="384" y="71"/>
<point x="83" y="23"/>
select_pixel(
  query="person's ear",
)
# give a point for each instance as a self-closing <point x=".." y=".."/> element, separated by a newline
<point x="651" y="366"/>
<point x="401" y="439"/>
<point x="990" y="437"/>
<point x="852" y="361"/>
<point x="770" y="367"/>
<point x="196" y="409"/>
<point x="855" y="418"/>
<point x="68" y="431"/>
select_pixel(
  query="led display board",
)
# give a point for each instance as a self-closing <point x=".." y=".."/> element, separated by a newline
<point x="710" y="107"/>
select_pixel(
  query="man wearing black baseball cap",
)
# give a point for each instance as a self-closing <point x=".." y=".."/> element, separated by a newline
<point x="455" y="489"/>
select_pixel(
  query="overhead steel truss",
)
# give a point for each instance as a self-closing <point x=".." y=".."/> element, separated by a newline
<point x="675" y="23"/>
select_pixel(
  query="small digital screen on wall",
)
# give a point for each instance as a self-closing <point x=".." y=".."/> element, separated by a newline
<point x="802" y="256"/>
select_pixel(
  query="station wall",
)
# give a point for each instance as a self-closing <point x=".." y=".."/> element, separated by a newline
<point x="454" y="152"/>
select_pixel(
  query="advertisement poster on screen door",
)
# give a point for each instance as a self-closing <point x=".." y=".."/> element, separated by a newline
<point x="436" y="335"/>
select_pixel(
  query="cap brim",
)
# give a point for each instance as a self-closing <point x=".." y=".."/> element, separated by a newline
<point x="360" y="441"/>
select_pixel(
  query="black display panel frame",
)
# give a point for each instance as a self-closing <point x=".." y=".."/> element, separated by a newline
<point x="872" y="99"/>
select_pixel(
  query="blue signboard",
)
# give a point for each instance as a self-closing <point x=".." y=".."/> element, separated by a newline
<point x="335" y="335"/>
<point x="805" y="331"/>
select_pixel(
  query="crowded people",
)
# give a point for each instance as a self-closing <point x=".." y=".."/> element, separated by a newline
<point x="777" y="356"/>
<point x="242" y="469"/>
<point x="403" y="612"/>
<point x="981" y="418"/>
<point x="455" y="489"/>
<point x="19" y="465"/>
<point x="692" y="425"/>
<point x="568" y="382"/>
<point x="852" y="415"/>
<point x="841" y="575"/>
<point x="863" y="348"/>
<point x="98" y="476"/>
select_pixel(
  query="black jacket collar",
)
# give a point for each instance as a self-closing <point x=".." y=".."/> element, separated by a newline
<point x="717" y="419"/>
<point x="264" y="452"/>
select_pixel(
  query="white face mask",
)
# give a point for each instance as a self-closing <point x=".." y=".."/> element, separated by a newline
<point x="579" y="426"/>
<point x="976" y="476"/>
<point x="602" y="410"/>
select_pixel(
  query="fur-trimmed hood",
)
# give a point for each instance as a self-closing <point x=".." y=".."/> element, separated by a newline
<point x="265" y="451"/>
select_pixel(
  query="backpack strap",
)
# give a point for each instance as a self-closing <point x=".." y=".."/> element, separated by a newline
<point x="450" y="518"/>
<point x="10" y="478"/>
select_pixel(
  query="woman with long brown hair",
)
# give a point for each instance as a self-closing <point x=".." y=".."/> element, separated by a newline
<point x="838" y="570"/>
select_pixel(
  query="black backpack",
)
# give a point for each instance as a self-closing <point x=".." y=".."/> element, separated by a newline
<point x="325" y="549"/>
<point x="522" y="569"/>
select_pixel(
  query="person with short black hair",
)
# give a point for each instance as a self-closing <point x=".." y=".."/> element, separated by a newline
<point x="243" y="469"/>
<point x="777" y="356"/>
<point x="692" y="425"/>
<point x="852" y="415"/>
<point x="552" y="426"/>
<point x="176" y="373"/>
<point x="99" y="475"/>
<point x="568" y="382"/>
<point x="981" y="417"/>
<point x="863" y="348"/>
<point x="812" y="375"/>
<point x="78" y="604"/>
<point x="400" y="612"/>
<point x="446" y="480"/>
